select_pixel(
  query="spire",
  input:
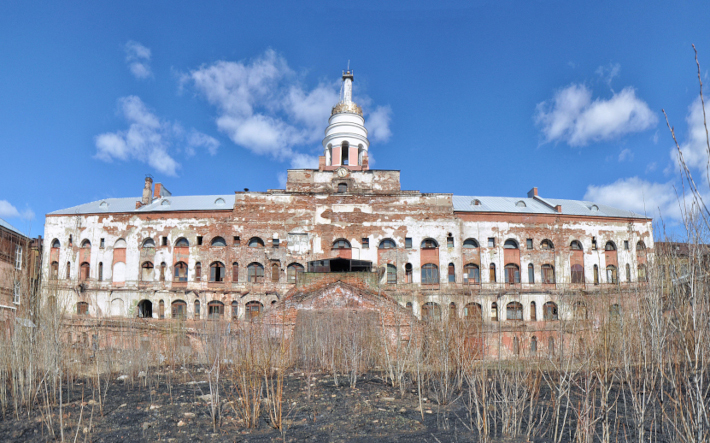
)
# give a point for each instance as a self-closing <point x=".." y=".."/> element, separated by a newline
<point x="347" y="86"/>
<point x="346" y="104"/>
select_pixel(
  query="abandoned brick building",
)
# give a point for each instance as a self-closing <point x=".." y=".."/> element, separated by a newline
<point x="498" y="260"/>
<point x="20" y="271"/>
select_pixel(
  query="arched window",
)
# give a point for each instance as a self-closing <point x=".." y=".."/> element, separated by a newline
<point x="341" y="244"/>
<point x="510" y="244"/>
<point x="342" y="188"/>
<point x="533" y="345"/>
<point x="531" y="273"/>
<point x="548" y="274"/>
<point x="198" y="271"/>
<point x="549" y="311"/>
<point x="514" y="311"/>
<point x="472" y="274"/>
<point x="577" y="274"/>
<point x="215" y="310"/>
<point x="255" y="273"/>
<point x="387" y="243"/>
<point x="68" y="270"/>
<point x="408" y="272"/>
<point x="452" y="273"/>
<point x="218" y="242"/>
<point x="161" y="309"/>
<point x="642" y="273"/>
<point x="255" y="242"/>
<point x="55" y="243"/>
<point x="345" y="153"/>
<point x="182" y="243"/>
<point x="533" y="311"/>
<point x="235" y="310"/>
<point x="163" y="266"/>
<point x="580" y="310"/>
<point x="512" y="273"/>
<point x="180" y="272"/>
<point x="430" y="274"/>
<point x="429" y="243"/>
<point x="217" y="271"/>
<point x="145" y="309"/>
<point x="148" y="243"/>
<point x="147" y="271"/>
<point x="470" y="243"/>
<point x="494" y="311"/>
<point x="84" y="271"/>
<point x="431" y="311"/>
<point x="235" y="272"/>
<point x="178" y="309"/>
<point x="253" y="309"/>
<point x="575" y="245"/>
<point x="472" y="312"/>
<point x="640" y="246"/>
<point x="293" y="271"/>
<point x="596" y="274"/>
<point x="197" y="309"/>
<point x="628" y="273"/>
<point x="82" y="308"/>
<point x="391" y="274"/>
<point x="610" y="246"/>
<point x="492" y="273"/>
<point x="611" y="276"/>
<point x="86" y="244"/>
<point x="101" y="271"/>
<point x="546" y="245"/>
<point x="452" y="311"/>
<point x="275" y="272"/>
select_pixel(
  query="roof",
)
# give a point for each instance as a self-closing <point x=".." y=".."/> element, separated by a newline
<point x="9" y="227"/>
<point x="164" y="204"/>
<point x="538" y="205"/>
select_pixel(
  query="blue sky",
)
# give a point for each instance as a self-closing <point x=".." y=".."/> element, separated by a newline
<point x="472" y="98"/>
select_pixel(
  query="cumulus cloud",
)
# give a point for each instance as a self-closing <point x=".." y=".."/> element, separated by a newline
<point x="138" y="59"/>
<point x="695" y="149"/>
<point x="262" y="106"/>
<point x="7" y="210"/>
<point x="149" y="139"/>
<point x="573" y="117"/>
<point x="638" y="195"/>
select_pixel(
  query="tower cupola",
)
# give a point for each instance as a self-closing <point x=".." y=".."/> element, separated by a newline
<point x="345" y="143"/>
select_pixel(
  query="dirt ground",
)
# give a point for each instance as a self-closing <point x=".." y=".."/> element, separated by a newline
<point x="372" y="412"/>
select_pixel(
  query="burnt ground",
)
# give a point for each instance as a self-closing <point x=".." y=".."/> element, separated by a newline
<point x="372" y="412"/>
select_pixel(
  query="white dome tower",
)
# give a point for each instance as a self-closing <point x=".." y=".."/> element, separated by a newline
<point x="345" y="141"/>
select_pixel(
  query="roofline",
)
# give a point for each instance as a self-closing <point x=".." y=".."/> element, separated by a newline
<point x="556" y="214"/>
<point x="139" y="212"/>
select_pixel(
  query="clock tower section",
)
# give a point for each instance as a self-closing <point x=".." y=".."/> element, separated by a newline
<point x="345" y="144"/>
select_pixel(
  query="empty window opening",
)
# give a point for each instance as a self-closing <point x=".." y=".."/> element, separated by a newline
<point x="452" y="273"/>
<point x="54" y="271"/>
<point x="387" y="243"/>
<point x="470" y="243"/>
<point x="430" y="274"/>
<point x="626" y="245"/>
<point x="218" y="242"/>
<point x="512" y="273"/>
<point x="255" y="273"/>
<point x="197" y="310"/>
<point x="510" y="244"/>
<point x="491" y="242"/>
<point x="236" y="240"/>
<point x="163" y="268"/>
<point x="180" y="272"/>
<point x="640" y="246"/>
<point x="429" y="243"/>
<point x="546" y="245"/>
<point x="68" y="270"/>
<point x="594" y="243"/>
<point x="610" y="246"/>
<point x="514" y="311"/>
<point x="215" y="310"/>
<point x="346" y="148"/>
<point x="182" y="243"/>
<point x="199" y="240"/>
<point x="148" y="243"/>
<point x="101" y="271"/>
<point x="275" y="243"/>
<point x="408" y="273"/>
<point x="531" y="273"/>
<point x="365" y="243"/>
<point x="145" y="309"/>
<point x="178" y="309"/>
<point x="611" y="276"/>
<point x="217" y="271"/>
<point x="533" y="345"/>
<point x="596" y="274"/>
<point x="575" y="245"/>
<point x="71" y="240"/>
<point x="550" y="311"/>
<point x="55" y="243"/>
<point x="164" y="241"/>
<point x="471" y="274"/>
<point x="255" y="242"/>
<point x="408" y="242"/>
<point x="449" y="242"/>
<point x="431" y="312"/>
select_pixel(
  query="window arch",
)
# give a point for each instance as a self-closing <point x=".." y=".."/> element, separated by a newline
<point x="531" y="273"/>
<point x="473" y="312"/>
<point x="178" y="309"/>
<point x="611" y="274"/>
<point x="533" y="311"/>
<point x="512" y="273"/>
<point x="120" y="243"/>
<point x="510" y="244"/>
<point x="215" y="310"/>
<point x="610" y="246"/>
<point x="182" y="243"/>
<point x="217" y="272"/>
<point x="494" y="311"/>
<point x="408" y="273"/>
<point x="148" y="243"/>
<point x="293" y="271"/>
<point x="452" y="273"/>
<point x="577" y="273"/>
<point x="431" y="311"/>
<point x="145" y="309"/>
<point x="180" y="274"/>
<point x="86" y="244"/>
<point x="255" y="273"/>
<point x="255" y="242"/>
<point x="342" y="188"/>
<point x="147" y="271"/>
<point x="548" y="274"/>
<point x="640" y="246"/>
<point x="576" y="246"/>
<point x="387" y="243"/>
<point x="429" y="243"/>
<point x="218" y="242"/>
<point x="470" y="243"/>
<point x="514" y="311"/>
<point x="253" y="309"/>
<point x="235" y="272"/>
<point x="547" y="245"/>
<point x="549" y="311"/>
<point x="55" y="243"/>
<point x="341" y="243"/>
<point x="84" y="271"/>
<point x="430" y="274"/>
<point x="472" y="273"/>
<point x="391" y="274"/>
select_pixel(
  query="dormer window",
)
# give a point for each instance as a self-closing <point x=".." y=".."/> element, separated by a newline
<point x="342" y="188"/>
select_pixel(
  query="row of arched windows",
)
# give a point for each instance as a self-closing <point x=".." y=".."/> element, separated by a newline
<point x="178" y="309"/>
<point x="474" y="312"/>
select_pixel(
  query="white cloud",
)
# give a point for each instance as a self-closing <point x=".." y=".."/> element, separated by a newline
<point x="149" y="139"/>
<point x="7" y="210"/>
<point x="695" y="149"/>
<point x="138" y="59"/>
<point x="571" y="116"/>
<point x="263" y="107"/>
<point x="626" y="154"/>
<point x="607" y="73"/>
<point x="638" y="195"/>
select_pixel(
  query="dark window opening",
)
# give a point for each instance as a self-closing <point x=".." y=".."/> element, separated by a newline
<point x="610" y="246"/>
<point x="430" y="274"/>
<point x="575" y="246"/>
<point x="611" y="275"/>
<point x="391" y="275"/>
<point x="626" y="245"/>
<point x="449" y="242"/>
<point x="145" y="309"/>
<point x="514" y="311"/>
<point x="531" y="273"/>
<point x="365" y="243"/>
<point x="408" y="242"/>
<point x="512" y="273"/>
<point x="101" y="271"/>
<point x="199" y="240"/>
<point x="529" y="243"/>
<point x="429" y="243"/>
<point x="235" y="240"/>
<point x="197" y="310"/>
<point x="408" y="272"/>
<point x="218" y="242"/>
<point x="550" y="311"/>
<point x="164" y="241"/>
<point x="163" y="267"/>
<point x="180" y="272"/>
<point x="491" y="242"/>
<point x="255" y="242"/>
<point x="102" y="243"/>
<point x="182" y="243"/>
<point x="342" y="188"/>
<point x="470" y="243"/>
<point x="387" y="244"/>
<point x="275" y="243"/>
<point x="344" y="157"/>
<point x="198" y="271"/>
<point x="494" y="311"/>
<point x="217" y="271"/>
<point x="596" y="274"/>
<point x="215" y="310"/>
<point x="594" y="243"/>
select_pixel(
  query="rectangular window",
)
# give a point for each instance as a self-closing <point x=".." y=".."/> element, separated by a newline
<point x="16" y="293"/>
<point x="531" y="274"/>
<point x="199" y="240"/>
<point x="491" y="242"/>
<point x="236" y="240"/>
<point x="626" y="245"/>
<point x="275" y="243"/>
<point x="18" y="257"/>
<point x="365" y="243"/>
<point x="449" y="242"/>
<point x="408" y="243"/>
<point x="102" y="243"/>
<point x="594" y="243"/>
<point x="165" y="241"/>
<point x="529" y="243"/>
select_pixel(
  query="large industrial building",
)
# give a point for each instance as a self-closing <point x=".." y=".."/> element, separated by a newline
<point x="441" y="255"/>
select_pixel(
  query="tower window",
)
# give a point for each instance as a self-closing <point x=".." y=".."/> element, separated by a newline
<point x="342" y="188"/>
<point x="345" y="153"/>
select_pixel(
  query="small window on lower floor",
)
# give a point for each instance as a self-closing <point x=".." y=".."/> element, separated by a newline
<point x="365" y="243"/>
<point x="408" y="242"/>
